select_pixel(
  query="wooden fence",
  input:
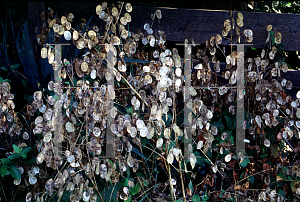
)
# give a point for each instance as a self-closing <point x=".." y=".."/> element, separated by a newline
<point x="198" y="24"/>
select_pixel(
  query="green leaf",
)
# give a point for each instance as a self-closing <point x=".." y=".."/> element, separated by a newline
<point x="242" y="175"/>
<point x="230" y="122"/>
<point x="205" y="197"/>
<point x="13" y="156"/>
<point x="145" y="141"/>
<point x="129" y="110"/>
<point x="209" y="154"/>
<point x="191" y="186"/>
<point x="145" y="183"/>
<point x="4" y="68"/>
<point x="231" y="138"/>
<point x="281" y="192"/>
<point x="24" y="82"/>
<point x="7" y="80"/>
<point x="110" y="162"/>
<point x="178" y="201"/>
<point x="253" y="152"/>
<point x="128" y="200"/>
<point x="138" y="152"/>
<point x="139" y="174"/>
<point x="74" y="81"/>
<point x="3" y="170"/>
<point x="111" y="193"/>
<point x="30" y="160"/>
<point x="196" y="198"/>
<point x="200" y="160"/>
<point x="5" y="161"/>
<point x="1" y="79"/>
<point x="15" y="66"/>
<point x="264" y="153"/>
<point x="15" y="172"/>
<point x="168" y="120"/>
<point x="17" y="149"/>
<point x="134" y="190"/>
<point x="207" y="161"/>
<point x="218" y="123"/>
<point x="124" y="182"/>
<point x="66" y="196"/>
<point x="251" y="179"/>
<point x="24" y="151"/>
<point x="245" y="162"/>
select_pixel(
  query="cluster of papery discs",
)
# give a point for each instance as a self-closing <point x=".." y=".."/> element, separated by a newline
<point x="239" y="20"/>
<point x="152" y="89"/>
<point x="214" y="42"/>
<point x="115" y="14"/>
<point x="92" y="104"/>
<point x="268" y="92"/>
<point x="227" y="27"/>
<point x="9" y="122"/>
<point x="278" y="35"/>
<point x="230" y="25"/>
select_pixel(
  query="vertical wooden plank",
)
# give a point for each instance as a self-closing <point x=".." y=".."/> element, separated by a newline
<point x="34" y="11"/>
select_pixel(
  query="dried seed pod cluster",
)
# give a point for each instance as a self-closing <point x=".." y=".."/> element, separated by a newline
<point x="125" y="100"/>
<point x="9" y="122"/>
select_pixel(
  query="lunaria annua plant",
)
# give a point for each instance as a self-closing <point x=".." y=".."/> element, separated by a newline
<point x="147" y="116"/>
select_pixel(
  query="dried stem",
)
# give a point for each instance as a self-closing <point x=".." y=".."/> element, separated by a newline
<point x="182" y="184"/>
<point x="247" y="178"/>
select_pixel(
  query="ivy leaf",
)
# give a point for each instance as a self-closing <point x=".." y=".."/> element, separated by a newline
<point x="134" y="190"/>
<point x="196" y="198"/>
<point x="15" y="172"/>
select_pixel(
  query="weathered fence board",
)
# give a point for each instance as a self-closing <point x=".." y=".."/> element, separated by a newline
<point x="292" y="75"/>
<point x="198" y="24"/>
